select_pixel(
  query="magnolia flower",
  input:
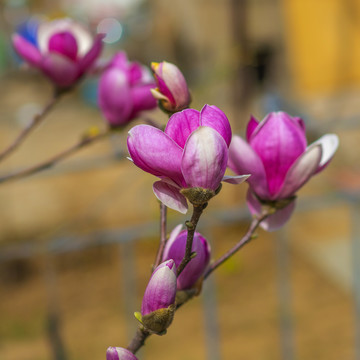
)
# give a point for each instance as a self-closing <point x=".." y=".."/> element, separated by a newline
<point x="175" y="249"/>
<point x="63" y="50"/>
<point x="158" y="305"/>
<point x="172" y="90"/>
<point x="119" y="353"/>
<point x="124" y="90"/>
<point x="279" y="161"/>
<point x="190" y="156"/>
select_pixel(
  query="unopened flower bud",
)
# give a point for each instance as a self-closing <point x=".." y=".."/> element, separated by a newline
<point x="118" y="353"/>
<point x="158" y="305"/>
<point x="172" y="90"/>
<point x="175" y="249"/>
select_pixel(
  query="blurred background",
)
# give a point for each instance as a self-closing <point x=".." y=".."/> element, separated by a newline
<point x="77" y="241"/>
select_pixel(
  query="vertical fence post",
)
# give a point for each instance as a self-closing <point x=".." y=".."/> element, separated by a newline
<point x="355" y="249"/>
<point x="284" y="296"/>
<point x="53" y="319"/>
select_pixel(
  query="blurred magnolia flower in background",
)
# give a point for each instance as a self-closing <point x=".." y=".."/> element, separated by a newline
<point x="63" y="50"/>
<point x="124" y="90"/>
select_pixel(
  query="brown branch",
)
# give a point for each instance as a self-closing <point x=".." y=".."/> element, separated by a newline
<point x="191" y="227"/>
<point x="138" y="340"/>
<point x="55" y="159"/>
<point x="37" y="119"/>
<point x="163" y="216"/>
<point x="247" y="237"/>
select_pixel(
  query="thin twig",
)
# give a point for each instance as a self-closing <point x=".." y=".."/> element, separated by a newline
<point x="163" y="218"/>
<point x="138" y="340"/>
<point x="247" y="237"/>
<point x="55" y="159"/>
<point x="191" y="227"/>
<point x="37" y="119"/>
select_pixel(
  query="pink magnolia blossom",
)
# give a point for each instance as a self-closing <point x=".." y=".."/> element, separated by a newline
<point x="280" y="162"/>
<point x="175" y="249"/>
<point x="65" y="50"/>
<point x="172" y="90"/>
<point x="192" y="152"/>
<point x="124" y="90"/>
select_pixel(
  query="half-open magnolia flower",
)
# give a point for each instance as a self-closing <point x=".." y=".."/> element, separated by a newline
<point x="64" y="50"/>
<point x="279" y="161"/>
<point x="124" y="90"/>
<point x="191" y="153"/>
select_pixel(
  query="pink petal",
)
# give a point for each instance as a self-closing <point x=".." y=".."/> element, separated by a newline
<point x="301" y="171"/>
<point x="182" y="124"/>
<point x="251" y="126"/>
<point x="114" y="97"/>
<point x="64" y="43"/>
<point x="142" y="99"/>
<point x="275" y="221"/>
<point x="244" y="160"/>
<point x="204" y="159"/>
<point x="170" y="196"/>
<point x="62" y="71"/>
<point x="329" y="144"/>
<point x="279" y="141"/>
<point x="26" y="50"/>
<point x="235" y="180"/>
<point x="155" y="152"/>
<point x="90" y="57"/>
<point x="213" y="117"/>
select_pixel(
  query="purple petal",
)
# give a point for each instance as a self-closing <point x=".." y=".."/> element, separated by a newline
<point x="235" y="180"/>
<point x="182" y="124"/>
<point x="244" y="160"/>
<point x="119" y="353"/>
<point x="329" y="144"/>
<point x="114" y="96"/>
<point x="170" y="196"/>
<point x="273" y="222"/>
<point x="26" y="50"/>
<point x="64" y="43"/>
<point x="279" y="141"/>
<point x="213" y="117"/>
<point x="62" y="71"/>
<point x="204" y="159"/>
<point x="161" y="289"/>
<point x="155" y="152"/>
<point x="90" y="57"/>
<point x="301" y="123"/>
<point x="301" y="171"/>
<point x="162" y="85"/>
<point x="175" y="249"/>
<point x="251" y="126"/>
<point x="142" y="98"/>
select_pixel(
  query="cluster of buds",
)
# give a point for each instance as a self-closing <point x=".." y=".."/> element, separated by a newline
<point x="189" y="157"/>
